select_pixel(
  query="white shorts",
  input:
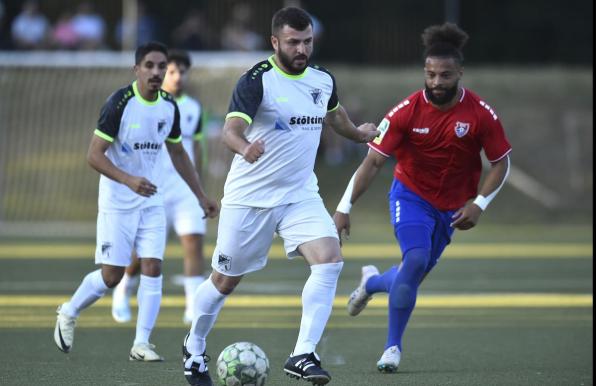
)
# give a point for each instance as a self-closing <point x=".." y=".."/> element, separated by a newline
<point x="118" y="233"/>
<point x="183" y="212"/>
<point x="245" y="234"/>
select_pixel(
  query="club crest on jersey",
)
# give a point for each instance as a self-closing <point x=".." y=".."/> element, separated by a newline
<point x="316" y="94"/>
<point x="160" y="125"/>
<point x="461" y="129"/>
<point x="224" y="262"/>
<point x="105" y="248"/>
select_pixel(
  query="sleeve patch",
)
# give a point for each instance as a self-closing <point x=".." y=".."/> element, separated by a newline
<point x="383" y="128"/>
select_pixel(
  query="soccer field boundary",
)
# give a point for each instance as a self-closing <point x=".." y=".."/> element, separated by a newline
<point x="476" y="300"/>
<point x="362" y="251"/>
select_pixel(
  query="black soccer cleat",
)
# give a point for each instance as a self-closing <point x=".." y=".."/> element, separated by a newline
<point x="195" y="367"/>
<point x="307" y="367"/>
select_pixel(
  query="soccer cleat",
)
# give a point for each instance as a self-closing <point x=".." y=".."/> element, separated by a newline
<point x="360" y="298"/>
<point x="144" y="352"/>
<point x="389" y="360"/>
<point x="64" y="331"/>
<point x="195" y="367"/>
<point x="121" y="304"/>
<point x="307" y="367"/>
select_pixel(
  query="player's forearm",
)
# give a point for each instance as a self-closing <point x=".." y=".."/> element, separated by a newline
<point x="198" y="153"/>
<point x="342" y="125"/>
<point x="185" y="169"/>
<point x="494" y="181"/>
<point x="103" y="165"/>
<point x="234" y="139"/>
<point x="359" y="183"/>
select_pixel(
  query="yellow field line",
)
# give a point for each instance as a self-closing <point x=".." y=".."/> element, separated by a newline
<point x="499" y="300"/>
<point x="350" y="251"/>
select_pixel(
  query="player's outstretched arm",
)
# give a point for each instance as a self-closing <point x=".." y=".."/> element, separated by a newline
<point x="233" y="137"/>
<point x="340" y="122"/>
<point x="185" y="168"/>
<point x="467" y="217"/>
<point x="361" y="180"/>
<point x="96" y="157"/>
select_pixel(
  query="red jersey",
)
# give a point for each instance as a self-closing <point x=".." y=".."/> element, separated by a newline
<point x="438" y="152"/>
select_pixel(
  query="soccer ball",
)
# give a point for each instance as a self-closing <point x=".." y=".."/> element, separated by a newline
<point x="242" y="364"/>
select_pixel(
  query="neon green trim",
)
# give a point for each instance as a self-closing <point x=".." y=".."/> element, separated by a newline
<point x="198" y="137"/>
<point x="182" y="99"/>
<point x="141" y="99"/>
<point x="335" y="108"/>
<point x="103" y="135"/>
<point x="174" y="140"/>
<point x="238" y="114"/>
<point x="285" y="74"/>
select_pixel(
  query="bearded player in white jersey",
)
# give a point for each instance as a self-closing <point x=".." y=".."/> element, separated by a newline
<point x="126" y="149"/>
<point x="274" y="126"/>
<point x="183" y="212"/>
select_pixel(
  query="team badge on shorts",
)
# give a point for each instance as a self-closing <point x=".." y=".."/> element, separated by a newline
<point x="461" y="129"/>
<point x="105" y="248"/>
<point x="224" y="262"/>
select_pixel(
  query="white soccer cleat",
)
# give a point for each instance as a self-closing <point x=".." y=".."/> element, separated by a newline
<point x="389" y="361"/>
<point x="64" y="331"/>
<point x="121" y="304"/>
<point x="144" y="352"/>
<point x="360" y="298"/>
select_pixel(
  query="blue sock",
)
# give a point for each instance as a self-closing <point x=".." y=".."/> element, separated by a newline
<point x="402" y="296"/>
<point x="382" y="282"/>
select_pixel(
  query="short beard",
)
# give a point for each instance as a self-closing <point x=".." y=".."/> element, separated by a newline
<point x="450" y="93"/>
<point x="288" y="63"/>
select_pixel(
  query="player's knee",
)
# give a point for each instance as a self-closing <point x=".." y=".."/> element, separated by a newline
<point x="417" y="260"/>
<point x="151" y="267"/>
<point x="225" y="284"/>
<point x="402" y="296"/>
<point x="111" y="280"/>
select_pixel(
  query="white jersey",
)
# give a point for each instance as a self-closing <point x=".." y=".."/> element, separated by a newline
<point x="286" y="112"/>
<point x="137" y="129"/>
<point x="171" y="183"/>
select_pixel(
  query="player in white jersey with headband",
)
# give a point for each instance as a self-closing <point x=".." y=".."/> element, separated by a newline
<point x="183" y="212"/>
<point x="126" y="149"/>
<point x="274" y="126"/>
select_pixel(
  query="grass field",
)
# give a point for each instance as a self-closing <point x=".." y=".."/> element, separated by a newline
<point x="507" y="308"/>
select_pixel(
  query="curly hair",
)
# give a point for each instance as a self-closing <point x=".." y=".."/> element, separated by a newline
<point x="445" y="40"/>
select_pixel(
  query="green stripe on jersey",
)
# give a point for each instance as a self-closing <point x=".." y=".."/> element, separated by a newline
<point x="174" y="140"/>
<point x="335" y="108"/>
<point x="238" y="114"/>
<point x="141" y="99"/>
<point x="103" y="135"/>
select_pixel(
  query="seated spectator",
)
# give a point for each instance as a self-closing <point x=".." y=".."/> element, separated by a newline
<point x="30" y="28"/>
<point x="236" y="35"/>
<point x="147" y="27"/>
<point x="192" y="34"/>
<point x="64" y="36"/>
<point x="89" y="26"/>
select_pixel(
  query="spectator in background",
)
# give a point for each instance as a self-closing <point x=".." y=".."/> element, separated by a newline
<point x="147" y="27"/>
<point x="236" y="35"/>
<point x="29" y="29"/>
<point x="89" y="27"/>
<point x="193" y="33"/>
<point x="63" y="35"/>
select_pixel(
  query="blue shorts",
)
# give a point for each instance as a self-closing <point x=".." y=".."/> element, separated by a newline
<point x="417" y="224"/>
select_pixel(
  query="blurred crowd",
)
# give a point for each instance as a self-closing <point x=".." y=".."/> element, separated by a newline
<point x="85" y="28"/>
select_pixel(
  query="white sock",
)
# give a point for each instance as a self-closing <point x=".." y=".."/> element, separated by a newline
<point x="317" y="302"/>
<point x="208" y="303"/>
<point x="191" y="283"/>
<point x="91" y="288"/>
<point x="149" y="300"/>
<point x="127" y="286"/>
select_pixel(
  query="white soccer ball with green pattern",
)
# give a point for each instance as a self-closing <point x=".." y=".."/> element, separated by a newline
<point x="242" y="364"/>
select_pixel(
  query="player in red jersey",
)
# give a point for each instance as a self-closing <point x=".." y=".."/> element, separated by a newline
<point x="436" y="135"/>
